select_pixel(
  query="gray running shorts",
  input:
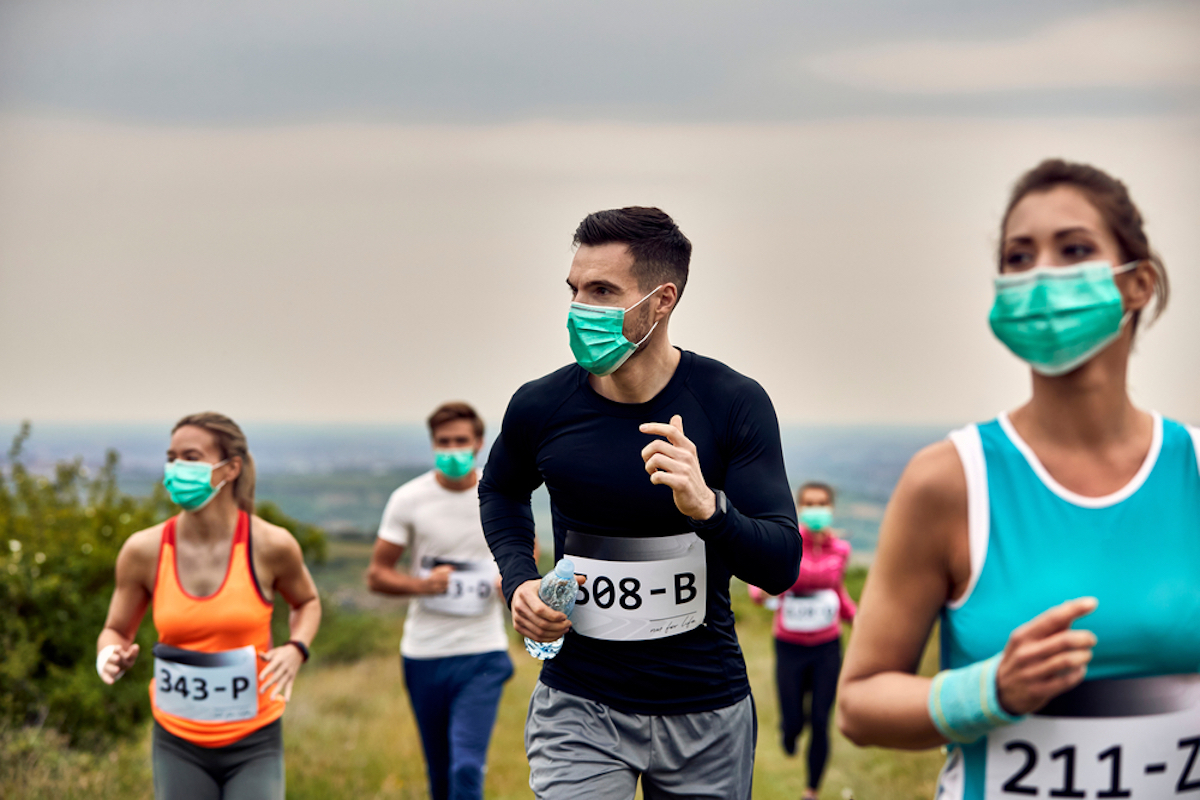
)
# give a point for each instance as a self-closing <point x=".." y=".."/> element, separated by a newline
<point x="579" y="748"/>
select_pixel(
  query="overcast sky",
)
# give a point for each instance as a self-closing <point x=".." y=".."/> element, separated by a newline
<point x="239" y="62"/>
<point x="353" y="210"/>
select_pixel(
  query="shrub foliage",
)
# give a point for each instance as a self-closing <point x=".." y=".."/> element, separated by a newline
<point x="59" y="538"/>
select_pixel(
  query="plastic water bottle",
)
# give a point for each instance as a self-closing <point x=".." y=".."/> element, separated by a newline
<point x="558" y="591"/>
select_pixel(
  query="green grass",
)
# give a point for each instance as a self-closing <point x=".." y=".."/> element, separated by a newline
<point x="349" y="731"/>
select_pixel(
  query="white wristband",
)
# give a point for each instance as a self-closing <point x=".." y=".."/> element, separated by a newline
<point x="102" y="659"/>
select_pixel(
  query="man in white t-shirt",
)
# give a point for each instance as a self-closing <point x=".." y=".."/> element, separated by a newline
<point x="454" y="649"/>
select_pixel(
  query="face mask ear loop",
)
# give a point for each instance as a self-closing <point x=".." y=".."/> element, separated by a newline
<point x="216" y="489"/>
<point x="211" y="497"/>
<point x="1159" y="278"/>
<point x="1130" y="267"/>
<point x="639" y="302"/>
<point x="647" y="336"/>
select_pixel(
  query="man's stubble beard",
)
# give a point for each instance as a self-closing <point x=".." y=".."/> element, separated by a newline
<point x="642" y="329"/>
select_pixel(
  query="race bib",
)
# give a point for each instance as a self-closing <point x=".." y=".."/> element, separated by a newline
<point x="471" y="589"/>
<point x="1136" y="738"/>
<point x="206" y="687"/>
<point x="805" y="613"/>
<point x="638" y="589"/>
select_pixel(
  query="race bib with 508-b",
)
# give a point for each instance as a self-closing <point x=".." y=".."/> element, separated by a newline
<point x="470" y="591"/>
<point x="637" y="589"/>
<point x="206" y="687"/>
<point x="1136" y="738"/>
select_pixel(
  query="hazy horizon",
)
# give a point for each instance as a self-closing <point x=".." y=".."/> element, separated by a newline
<point x="340" y="476"/>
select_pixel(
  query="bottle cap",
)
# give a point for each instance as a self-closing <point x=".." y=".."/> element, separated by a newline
<point x="565" y="568"/>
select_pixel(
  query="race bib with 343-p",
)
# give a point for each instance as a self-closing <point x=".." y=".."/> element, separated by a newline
<point x="206" y="687"/>
<point x="1136" y="738"/>
<point x="638" y="589"/>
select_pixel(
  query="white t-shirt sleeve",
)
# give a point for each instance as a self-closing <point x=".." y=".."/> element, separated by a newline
<point x="396" y="526"/>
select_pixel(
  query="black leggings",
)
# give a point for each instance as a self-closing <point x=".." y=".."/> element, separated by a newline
<point x="249" y="769"/>
<point x="801" y="670"/>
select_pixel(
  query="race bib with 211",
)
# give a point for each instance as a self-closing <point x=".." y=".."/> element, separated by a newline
<point x="1136" y="738"/>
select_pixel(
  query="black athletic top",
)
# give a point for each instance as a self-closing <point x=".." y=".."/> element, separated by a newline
<point x="587" y="450"/>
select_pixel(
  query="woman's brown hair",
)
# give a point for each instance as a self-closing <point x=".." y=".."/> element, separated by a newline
<point x="232" y="442"/>
<point x="1108" y="196"/>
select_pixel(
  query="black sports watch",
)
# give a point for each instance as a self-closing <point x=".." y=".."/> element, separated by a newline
<point x="718" y="515"/>
<point x="299" y="646"/>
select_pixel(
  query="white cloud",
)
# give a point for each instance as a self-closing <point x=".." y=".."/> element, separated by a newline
<point x="1141" y="47"/>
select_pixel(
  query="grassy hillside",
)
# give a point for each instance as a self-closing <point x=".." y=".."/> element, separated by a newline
<point x="349" y="731"/>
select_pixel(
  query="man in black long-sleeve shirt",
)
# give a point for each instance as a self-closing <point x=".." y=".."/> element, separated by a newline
<point x="656" y="516"/>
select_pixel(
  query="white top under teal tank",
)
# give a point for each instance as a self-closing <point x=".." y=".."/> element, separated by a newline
<point x="1035" y="544"/>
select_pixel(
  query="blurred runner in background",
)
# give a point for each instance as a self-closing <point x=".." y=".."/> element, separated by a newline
<point x="454" y="649"/>
<point x="807" y="627"/>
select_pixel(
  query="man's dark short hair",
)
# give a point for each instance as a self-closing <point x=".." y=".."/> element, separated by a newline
<point x="661" y="253"/>
<point x="819" y="486"/>
<point x="449" y="412"/>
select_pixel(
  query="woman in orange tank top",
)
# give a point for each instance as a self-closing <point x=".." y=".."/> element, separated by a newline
<point x="219" y="687"/>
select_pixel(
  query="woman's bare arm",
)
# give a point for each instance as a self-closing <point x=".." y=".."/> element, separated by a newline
<point x="135" y="571"/>
<point x="920" y="563"/>
<point x="291" y="578"/>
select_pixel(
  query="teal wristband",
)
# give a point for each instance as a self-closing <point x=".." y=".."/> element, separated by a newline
<point x="964" y="704"/>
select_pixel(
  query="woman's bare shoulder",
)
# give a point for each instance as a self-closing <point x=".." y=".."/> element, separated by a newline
<point x="140" y="551"/>
<point x="273" y="541"/>
<point x="934" y="477"/>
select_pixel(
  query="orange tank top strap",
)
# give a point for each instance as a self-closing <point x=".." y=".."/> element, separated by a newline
<point x="206" y="661"/>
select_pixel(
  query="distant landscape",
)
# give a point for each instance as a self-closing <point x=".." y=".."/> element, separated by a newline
<point x="340" y="476"/>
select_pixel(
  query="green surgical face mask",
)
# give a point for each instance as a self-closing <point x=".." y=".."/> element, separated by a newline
<point x="597" y="336"/>
<point x="190" y="483"/>
<point x="454" y="464"/>
<point x="1058" y="318"/>
<point x="816" y="518"/>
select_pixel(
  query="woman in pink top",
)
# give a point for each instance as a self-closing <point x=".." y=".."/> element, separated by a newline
<point x="808" y="652"/>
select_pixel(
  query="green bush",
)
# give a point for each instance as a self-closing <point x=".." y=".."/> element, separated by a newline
<point x="59" y="539"/>
<point x="345" y="636"/>
<point x="311" y="538"/>
<point x="349" y="636"/>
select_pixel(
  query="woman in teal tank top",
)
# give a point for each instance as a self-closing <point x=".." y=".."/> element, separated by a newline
<point x="1059" y="544"/>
